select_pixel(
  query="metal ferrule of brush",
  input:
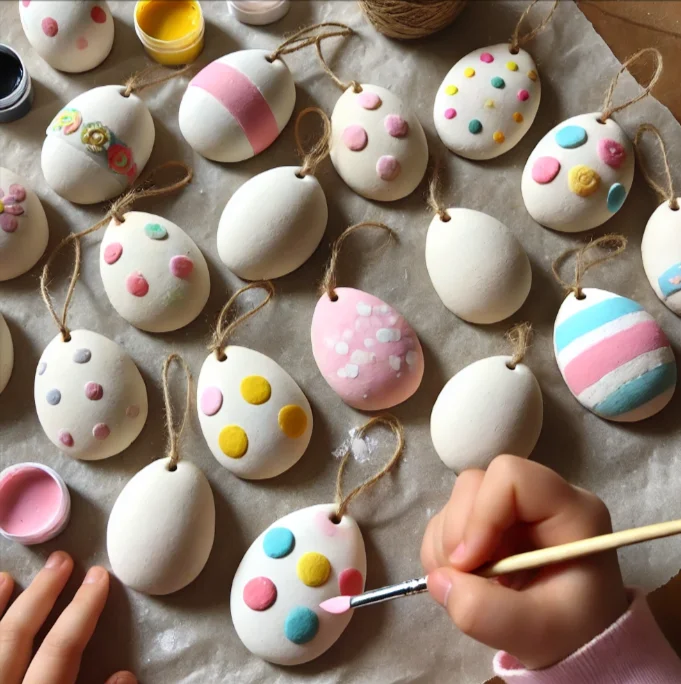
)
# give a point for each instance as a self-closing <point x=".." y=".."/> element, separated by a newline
<point x="413" y="586"/>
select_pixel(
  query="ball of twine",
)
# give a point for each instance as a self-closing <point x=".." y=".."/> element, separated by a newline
<point x="409" y="19"/>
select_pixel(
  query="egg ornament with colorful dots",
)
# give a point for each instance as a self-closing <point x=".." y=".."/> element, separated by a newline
<point x="579" y="174"/>
<point x="487" y="102"/>
<point x="90" y="397"/>
<point x="237" y="106"/>
<point x="304" y="558"/>
<point x="255" y="418"/>
<point x="69" y="36"/>
<point x="153" y="273"/>
<point x="97" y="145"/>
<point x="23" y="226"/>
<point x="6" y="353"/>
<point x="378" y="146"/>
<point x="613" y="356"/>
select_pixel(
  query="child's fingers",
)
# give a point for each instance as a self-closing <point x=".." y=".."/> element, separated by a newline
<point x="6" y="588"/>
<point x="122" y="678"/>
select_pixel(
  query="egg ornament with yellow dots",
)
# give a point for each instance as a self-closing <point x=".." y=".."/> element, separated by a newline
<point x="302" y="559"/>
<point x="256" y="420"/>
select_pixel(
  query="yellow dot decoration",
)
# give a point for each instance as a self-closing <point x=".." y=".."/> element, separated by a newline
<point x="255" y="389"/>
<point x="583" y="181"/>
<point x="313" y="569"/>
<point x="292" y="421"/>
<point x="469" y="72"/>
<point x="233" y="441"/>
<point x="451" y="90"/>
<point x="498" y="137"/>
<point x="511" y="66"/>
<point x="489" y="104"/>
<point x="532" y="75"/>
<point x="518" y="117"/>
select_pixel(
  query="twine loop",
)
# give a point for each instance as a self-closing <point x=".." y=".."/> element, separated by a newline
<point x="320" y="150"/>
<point x="665" y="194"/>
<point x="146" y="78"/>
<point x="519" y="337"/>
<point x="518" y="40"/>
<point x="175" y="431"/>
<point x="389" y="421"/>
<point x="434" y="199"/>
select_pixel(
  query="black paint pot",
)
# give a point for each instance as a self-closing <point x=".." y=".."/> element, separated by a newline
<point x="16" y="88"/>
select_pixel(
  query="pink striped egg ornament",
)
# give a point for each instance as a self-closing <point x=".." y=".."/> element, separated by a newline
<point x="613" y="356"/>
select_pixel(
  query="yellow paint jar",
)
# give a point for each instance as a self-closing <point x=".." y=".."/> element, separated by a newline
<point x="170" y="30"/>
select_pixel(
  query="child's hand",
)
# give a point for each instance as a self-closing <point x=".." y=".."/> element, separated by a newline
<point x="516" y="506"/>
<point x="58" y="658"/>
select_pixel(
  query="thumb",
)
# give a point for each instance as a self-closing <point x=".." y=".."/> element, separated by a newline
<point x="122" y="678"/>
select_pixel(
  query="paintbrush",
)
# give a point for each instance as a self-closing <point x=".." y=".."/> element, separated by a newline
<point x="523" y="561"/>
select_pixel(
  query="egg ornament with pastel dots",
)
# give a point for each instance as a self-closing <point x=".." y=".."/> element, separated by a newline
<point x="23" y="226"/>
<point x="487" y="102"/>
<point x="70" y="36"/>
<point x="378" y="146"/>
<point x="97" y="145"/>
<point x="89" y="395"/>
<point x="6" y="353"/>
<point x="256" y="420"/>
<point x="302" y="559"/>
<point x="153" y="273"/>
<point x="579" y="174"/>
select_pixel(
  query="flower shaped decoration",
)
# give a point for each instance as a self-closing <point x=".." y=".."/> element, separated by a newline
<point x="67" y="121"/>
<point x="120" y="160"/>
<point x="95" y="136"/>
<point x="10" y="207"/>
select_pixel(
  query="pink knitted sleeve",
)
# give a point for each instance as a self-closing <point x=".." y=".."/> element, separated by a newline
<point x="632" y="651"/>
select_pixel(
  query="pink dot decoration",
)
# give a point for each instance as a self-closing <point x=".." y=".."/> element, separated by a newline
<point x="486" y="58"/>
<point x="450" y="113"/>
<point x="65" y="438"/>
<point x="50" y="27"/>
<point x="610" y="152"/>
<point x="101" y="431"/>
<point x="18" y="192"/>
<point x="136" y="284"/>
<point x="350" y="582"/>
<point x="388" y="168"/>
<point x="94" y="391"/>
<point x="369" y="100"/>
<point x="523" y="95"/>
<point x="181" y="267"/>
<point x="545" y="169"/>
<point x="81" y="43"/>
<point x="355" y="137"/>
<point x="98" y="15"/>
<point x="132" y="411"/>
<point x="396" y="126"/>
<point x="211" y="401"/>
<point x="8" y="223"/>
<point x="112" y="252"/>
<point x="25" y="3"/>
<point x="260" y="593"/>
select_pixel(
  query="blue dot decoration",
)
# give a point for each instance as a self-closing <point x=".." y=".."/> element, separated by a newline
<point x="616" y="196"/>
<point x="278" y="542"/>
<point x="570" y="137"/>
<point x="82" y="355"/>
<point x="474" y="126"/>
<point x="53" y="397"/>
<point x="498" y="82"/>
<point x="301" y="625"/>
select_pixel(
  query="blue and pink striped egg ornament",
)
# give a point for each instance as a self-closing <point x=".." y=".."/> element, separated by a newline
<point x="237" y="106"/>
<point x="613" y="356"/>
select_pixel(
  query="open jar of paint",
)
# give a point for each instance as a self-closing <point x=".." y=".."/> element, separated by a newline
<point x="170" y="30"/>
<point x="16" y="88"/>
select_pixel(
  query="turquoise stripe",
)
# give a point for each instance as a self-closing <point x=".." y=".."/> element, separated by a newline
<point x="670" y="281"/>
<point x="638" y="391"/>
<point x="593" y="317"/>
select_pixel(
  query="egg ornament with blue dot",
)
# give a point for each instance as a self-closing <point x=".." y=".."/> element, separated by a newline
<point x="579" y="174"/>
<point x="487" y="102"/>
<point x="301" y="560"/>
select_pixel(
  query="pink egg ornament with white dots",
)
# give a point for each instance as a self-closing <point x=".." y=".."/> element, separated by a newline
<point x="70" y="36"/>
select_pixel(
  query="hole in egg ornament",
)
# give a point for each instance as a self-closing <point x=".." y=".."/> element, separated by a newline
<point x="74" y="423"/>
<point x="237" y="106"/>
<point x="70" y="36"/>
<point x="478" y="268"/>
<point x="23" y="226"/>
<point x="613" y="356"/>
<point x="161" y="528"/>
<point x="6" y="354"/>
<point x="256" y="420"/>
<point x="291" y="629"/>
<point x="366" y="350"/>
<point x="97" y="145"/>
<point x="263" y="240"/>
<point x="493" y="81"/>
<point x="175" y="292"/>
<point x="579" y="174"/>
<point x="393" y="162"/>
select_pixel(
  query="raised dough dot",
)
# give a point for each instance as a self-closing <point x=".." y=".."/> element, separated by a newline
<point x="570" y="137"/>
<point x="450" y="113"/>
<point x="342" y="348"/>
<point x="301" y="625"/>
<point x="112" y="252"/>
<point x="616" y="196"/>
<point x="136" y="284"/>
<point x="474" y="126"/>
<point x="489" y="104"/>
<point x="260" y="593"/>
<point x="355" y="137"/>
<point x="350" y="582"/>
<point x="498" y="82"/>
<point x="387" y="167"/>
<point x="518" y="117"/>
<point x="498" y="137"/>
<point x="42" y="366"/>
<point x="132" y="411"/>
<point x="451" y="90"/>
<point x="396" y="126"/>
<point x="469" y="72"/>
<point x="17" y="192"/>
<point x="486" y="57"/>
<point x="255" y="389"/>
<point x="233" y="441"/>
<point x="532" y="75"/>
<point x="511" y="66"/>
<point x="211" y="401"/>
<point x="545" y="169"/>
<point x="65" y="438"/>
<point x="313" y="569"/>
<point x="523" y="95"/>
<point x="50" y="27"/>
<point x="583" y="180"/>
<point x="81" y="43"/>
<point x="278" y="542"/>
<point x="155" y="231"/>
<point x="610" y="152"/>
<point x="292" y="421"/>
<point x="82" y="355"/>
<point x="53" y="397"/>
<point x="181" y="266"/>
<point x="369" y="100"/>
<point x="94" y="391"/>
<point x="98" y="14"/>
<point x="101" y="431"/>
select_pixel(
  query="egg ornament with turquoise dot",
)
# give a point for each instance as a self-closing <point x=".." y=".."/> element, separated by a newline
<point x="579" y="174"/>
<point x="487" y="102"/>
<point x="298" y="562"/>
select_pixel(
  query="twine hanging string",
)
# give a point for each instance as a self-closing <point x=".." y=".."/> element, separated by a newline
<point x="343" y="500"/>
<point x="320" y="150"/>
<point x="665" y="194"/>
<point x="434" y="199"/>
<point x="223" y="330"/>
<point x="328" y="284"/>
<point x="616" y="244"/>
<point x="518" y="40"/>
<point x="519" y="337"/>
<point x="151" y="76"/>
<point x="608" y="109"/>
<point x="175" y="431"/>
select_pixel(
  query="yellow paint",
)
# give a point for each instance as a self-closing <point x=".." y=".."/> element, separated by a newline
<point x="233" y="441"/>
<point x="511" y="66"/>
<point x="2" y="207"/>
<point x="255" y="389"/>
<point x="313" y="569"/>
<point x="451" y="90"/>
<point x="532" y="75"/>
<point x="517" y="117"/>
<point x="469" y="72"/>
<point x="292" y="421"/>
<point x="499" y="137"/>
<point x="489" y="104"/>
<point x="583" y="181"/>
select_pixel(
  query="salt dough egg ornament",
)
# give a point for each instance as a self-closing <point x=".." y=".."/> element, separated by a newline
<point x="264" y="240"/>
<point x="491" y="407"/>
<point x="23" y="226"/>
<point x="70" y="36"/>
<point x="298" y="562"/>
<point x="162" y="526"/>
<point x="364" y="348"/>
<point x="256" y="420"/>
<point x="6" y="354"/>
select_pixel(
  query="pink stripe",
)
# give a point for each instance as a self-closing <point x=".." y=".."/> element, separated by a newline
<point x="611" y="353"/>
<point x="242" y="100"/>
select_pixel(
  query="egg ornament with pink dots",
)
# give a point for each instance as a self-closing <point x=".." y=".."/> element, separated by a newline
<point x="304" y="558"/>
<point x="487" y="102"/>
<point x="579" y="174"/>
<point x="256" y="420"/>
<point x="153" y="273"/>
<point x="90" y="397"/>
<point x="6" y="353"/>
<point x="378" y="146"/>
<point x="69" y="36"/>
<point x="97" y="145"/>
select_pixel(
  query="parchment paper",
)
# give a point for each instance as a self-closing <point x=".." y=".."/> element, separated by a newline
<point x="188" y="637"/>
